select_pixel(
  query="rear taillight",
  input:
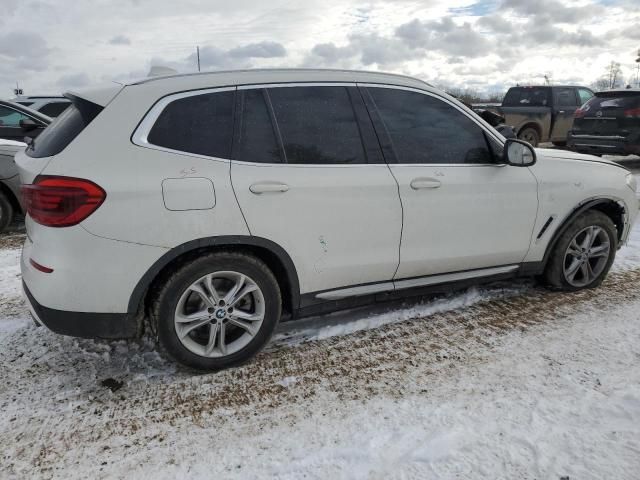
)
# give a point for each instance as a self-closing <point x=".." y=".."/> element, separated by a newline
<point x="632" y="113"/>
<point x="61" y="201"/>
<point x="580" y="113"/>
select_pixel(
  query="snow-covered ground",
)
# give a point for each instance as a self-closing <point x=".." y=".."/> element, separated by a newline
<point x="502" y="382"/>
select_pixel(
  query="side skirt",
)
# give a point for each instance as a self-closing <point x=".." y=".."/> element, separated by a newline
<point x="313" y="304"/>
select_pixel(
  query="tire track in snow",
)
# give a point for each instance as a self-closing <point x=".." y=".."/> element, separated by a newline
<point x="393" y="360"/>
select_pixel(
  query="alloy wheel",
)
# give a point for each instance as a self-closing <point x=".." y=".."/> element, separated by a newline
<point x="219" y="314"/>
<point x="586" y="256"/>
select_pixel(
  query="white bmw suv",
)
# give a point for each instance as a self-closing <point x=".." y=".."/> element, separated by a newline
<point x="214" y="204"/>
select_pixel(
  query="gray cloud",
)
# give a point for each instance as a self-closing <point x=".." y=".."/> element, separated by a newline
<point x="553" y="10"/>
<point x="259" y="50"/>
<point x="17" y="45"/>
<point x="120" y="40"/>
<point x="74" y="80"/>
<point x="444" y="36"/>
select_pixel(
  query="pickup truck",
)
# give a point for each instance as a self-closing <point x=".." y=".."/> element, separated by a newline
<point x="543" y="113"/>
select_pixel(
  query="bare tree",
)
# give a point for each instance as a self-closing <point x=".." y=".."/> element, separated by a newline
<point x="614" y="74"/>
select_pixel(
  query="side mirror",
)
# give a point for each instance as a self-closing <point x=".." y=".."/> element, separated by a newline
<point x="28" y="125"/>
<point x="519" y="153"/>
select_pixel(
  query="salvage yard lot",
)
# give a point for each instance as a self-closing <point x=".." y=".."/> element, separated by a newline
<point x="502" y="381"/>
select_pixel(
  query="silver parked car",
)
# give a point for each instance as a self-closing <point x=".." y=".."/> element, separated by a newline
<point x="9" y="182"/>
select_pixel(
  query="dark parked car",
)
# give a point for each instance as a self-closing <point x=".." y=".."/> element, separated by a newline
<point x="18" y="121"/>
<point x="542" y="113"/>
<point x="52" y="106"/>
<point x="608" y="123"/>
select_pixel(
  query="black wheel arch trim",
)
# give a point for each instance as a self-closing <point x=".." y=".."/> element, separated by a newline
<point x="580" y="209"/>
<point x="139" y="292"/>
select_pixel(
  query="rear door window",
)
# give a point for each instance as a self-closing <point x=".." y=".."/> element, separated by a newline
<point x="256" y="139"/>
<point x="200" y="124"/>
<point x="317" y="125"/>
<point x="64" y="129"/>
<point x="565" y="97"/>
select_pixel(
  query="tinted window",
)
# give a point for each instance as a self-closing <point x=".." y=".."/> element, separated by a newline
<point x="317" y="125"/>
<point x="527" y="97"/>
<point x="585" y="95"/>
<point x="612" y="103"/>
<point x="256" y="139"/>
<point x="10" y="117"/>
<point x="424" y="129"/>
<point x="565" y="97"/>
<point x="64" y="129"/>
<point x="54" y="109"/>
<point x="201" y="124"/>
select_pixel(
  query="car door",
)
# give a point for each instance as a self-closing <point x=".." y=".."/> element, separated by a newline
<point x="309" y="175"/>
<point x="565" y="104"/>
<point x="461" y="210"/>
<point x="10" y="124"/>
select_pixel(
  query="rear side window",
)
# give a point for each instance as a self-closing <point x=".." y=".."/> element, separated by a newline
<point x="424" y="129"/>
<point x="201" y="124"/>
<point x="54" y="109"/>
<point x="256" y="140"/>
<point x="64" y="129"/>
<point x="317" y="125"/>
<point x="527" y="97"/>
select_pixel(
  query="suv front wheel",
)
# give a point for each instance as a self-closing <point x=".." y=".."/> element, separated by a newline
<point x="217" y="311"/>
<point x="584" y="253"/>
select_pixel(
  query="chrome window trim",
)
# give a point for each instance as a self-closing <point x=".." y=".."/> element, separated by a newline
<point x="140" y="135"/>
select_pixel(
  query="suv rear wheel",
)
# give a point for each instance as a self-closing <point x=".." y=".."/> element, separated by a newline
<point x="217" y="311"/>
<point x="584" y="253"/>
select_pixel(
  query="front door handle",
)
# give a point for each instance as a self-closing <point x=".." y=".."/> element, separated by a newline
<point x="420" y="183"/>
<point x="268" y="187"/>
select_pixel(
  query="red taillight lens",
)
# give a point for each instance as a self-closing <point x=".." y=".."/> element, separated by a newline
<point x="61" y="201"/>
<point x="633" y="113"/>
<point x="580" y="113"/>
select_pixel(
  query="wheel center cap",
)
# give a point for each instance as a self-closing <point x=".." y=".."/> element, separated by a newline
<point x="221" y="313"/>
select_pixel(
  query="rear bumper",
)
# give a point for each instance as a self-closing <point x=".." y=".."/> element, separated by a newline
<point x="603" y="144"/>
<point x="82" y="324"/>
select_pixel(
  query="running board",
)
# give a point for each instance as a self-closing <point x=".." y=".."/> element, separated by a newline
<point x="414" y="282"/>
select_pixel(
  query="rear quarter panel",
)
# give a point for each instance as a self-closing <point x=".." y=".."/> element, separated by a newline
<point x="134" y="210"/>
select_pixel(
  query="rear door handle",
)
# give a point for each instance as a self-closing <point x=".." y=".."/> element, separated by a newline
<point x="420" y="183"/>
<point x="268" y="187"/>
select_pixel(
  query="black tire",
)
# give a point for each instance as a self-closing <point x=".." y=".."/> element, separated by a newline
<point x="554" y="274"/>
<point x="6" y="212"/>
<point x="180" y="280"/>
<point x="530" y="135"/>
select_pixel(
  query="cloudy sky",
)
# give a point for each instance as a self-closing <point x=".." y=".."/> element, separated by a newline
<point x="51" y="45"/>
